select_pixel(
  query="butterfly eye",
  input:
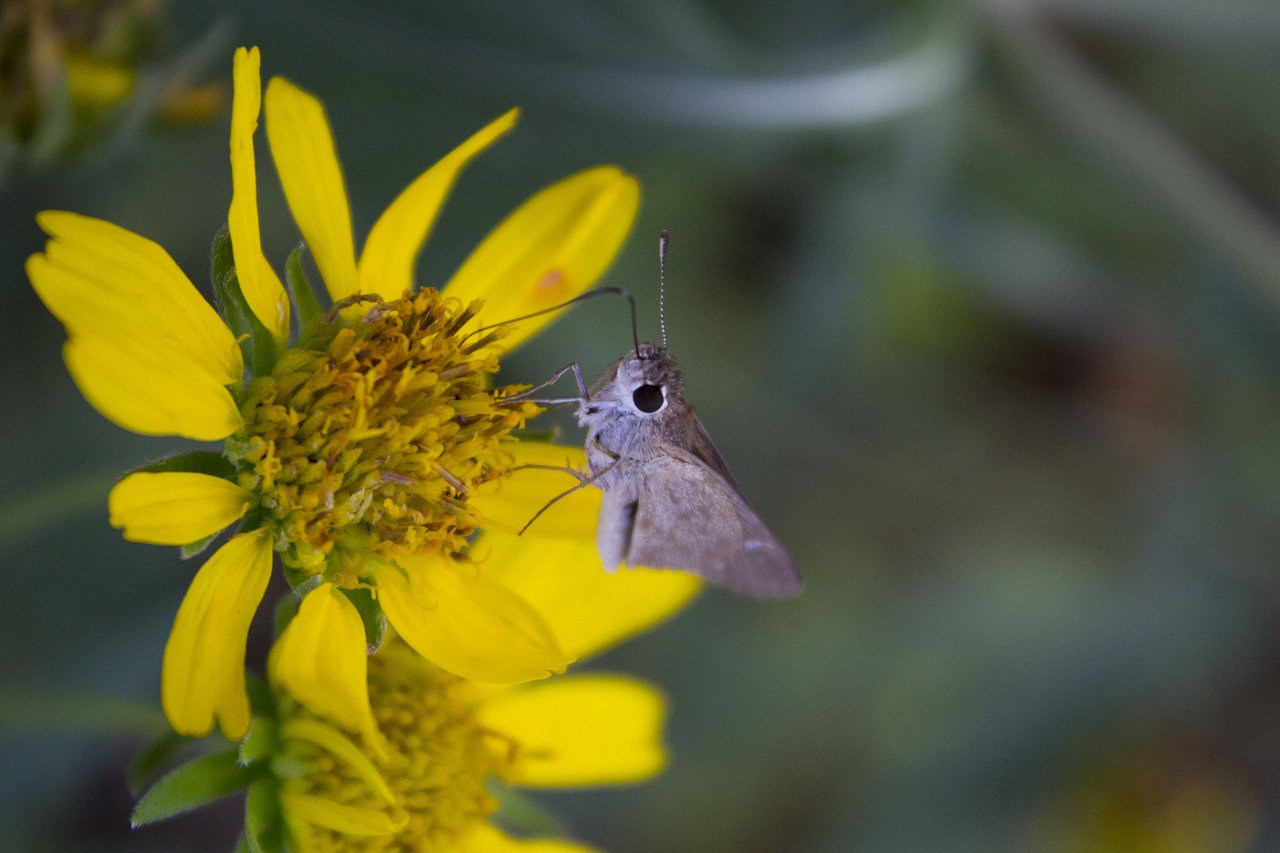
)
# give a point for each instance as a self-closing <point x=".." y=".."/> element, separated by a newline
<point x="648" y="398"/>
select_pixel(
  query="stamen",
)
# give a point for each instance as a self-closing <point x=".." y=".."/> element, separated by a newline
<point x="457" y="484"/>
<point x="355" y="299"/>
<point x="363" y="442"/>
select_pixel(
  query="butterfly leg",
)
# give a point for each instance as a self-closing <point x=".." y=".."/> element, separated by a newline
<point x="584" y="480"/>
<point x="524" y="397"/>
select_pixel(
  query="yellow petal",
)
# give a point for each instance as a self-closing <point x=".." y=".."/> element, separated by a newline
<point x="387" y="260"/>
<point x="174" y="508"/>
<point x="488" y="839"/>
<point x="258" y="281"/>
<point x="467" y="624"/>
<point x="588" y="608"/>
<point x="113" y="278"/>
<point x="348" y="820"/>
<point x="580" y="730"/>
<point x="137" y="389"/>
<point x="203" y="673"/>
<point x="302" y="147"/>
<point x="508" y="503"/>
<point x="321" y="659"/>
<point x="552" y="248"/>
<point x="146" y="350"/>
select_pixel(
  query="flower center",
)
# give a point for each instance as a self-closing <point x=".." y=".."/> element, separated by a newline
<point x="436" y="764"/>
<point x="370" y="446"/>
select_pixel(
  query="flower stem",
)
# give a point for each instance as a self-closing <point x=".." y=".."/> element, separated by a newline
<point x="43" y="508"/>
<point x="79" y="712"/>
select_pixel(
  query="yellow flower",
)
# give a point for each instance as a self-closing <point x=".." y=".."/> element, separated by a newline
<point x="423" y="787"/>
<point x="368" y="451"/>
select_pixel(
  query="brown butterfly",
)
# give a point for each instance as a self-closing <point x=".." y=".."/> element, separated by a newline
<point x="669" y="499"/>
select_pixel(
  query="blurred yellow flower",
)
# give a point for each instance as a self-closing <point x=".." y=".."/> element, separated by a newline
<point x="68" y="66"/>
<point x="365" y="453"/>
<point x="422" y="785"/>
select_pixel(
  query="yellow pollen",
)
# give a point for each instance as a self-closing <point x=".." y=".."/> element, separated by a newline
<point x="371" y="445"/>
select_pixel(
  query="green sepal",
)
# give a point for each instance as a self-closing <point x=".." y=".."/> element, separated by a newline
<point x="195" y="549"/>
<point x="255" y="519"/>
<point x="193" y="785"/>
<point x="301" y="292"/>
<point x="522" y="815"/>
<point x="285" y="611"/>
<point x="300" y="581"/>
<point x="263" y="825"/>
<point x="375" y="621"/>
<point x="196" y="462"/>
<point x="222" y="271"/>
<point x="262" y="702"/>
<point x="259" y="348"/>
<point x="149" y="761"/>
<point x="262" y="740"/>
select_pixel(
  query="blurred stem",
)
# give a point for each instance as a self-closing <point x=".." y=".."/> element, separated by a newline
<point x="1131" y="142"/>
<point x="32" y="513"/>
<point x="79" y="712"/>
<point x="210" y="49"/>
<point x="1232" y="23"/>
<point x="843" y="97"/>
<point x="849" y="95"/>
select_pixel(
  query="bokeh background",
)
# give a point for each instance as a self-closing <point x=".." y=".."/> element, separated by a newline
<point x="981" y="301"/>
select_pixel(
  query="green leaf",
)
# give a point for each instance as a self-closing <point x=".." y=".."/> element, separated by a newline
<point x="263" y="826"/>
<point x="375" y="622"/>
<point x="300" y="290"/>
<point x="196" y="462"/>
<point x="193" y="785"/>
<point x="156" y="755"/>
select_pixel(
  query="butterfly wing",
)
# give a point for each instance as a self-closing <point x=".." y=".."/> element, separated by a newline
<point x="699" y="443"/>
<point x="615" y="524"/>
<point x="684" y="515"/>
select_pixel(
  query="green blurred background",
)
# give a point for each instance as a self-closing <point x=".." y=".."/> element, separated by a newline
<point x="980" y="301"/>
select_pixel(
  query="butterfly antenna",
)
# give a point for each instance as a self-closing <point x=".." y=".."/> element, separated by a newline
<point x="599" y="291"/>
<point x="635" y="330"/>
<point x="663" y="239"/>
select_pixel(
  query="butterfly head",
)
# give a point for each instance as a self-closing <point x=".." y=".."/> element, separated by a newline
<point x="645" y="382"/>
